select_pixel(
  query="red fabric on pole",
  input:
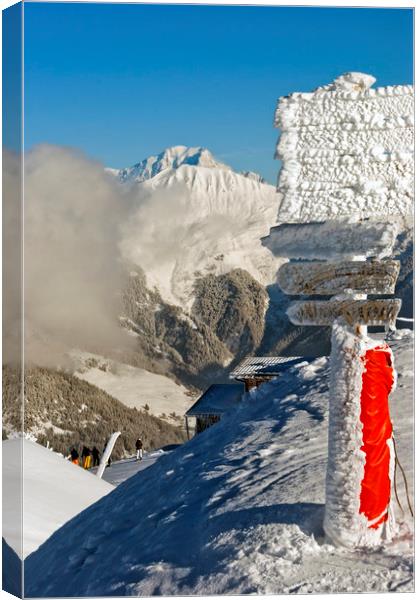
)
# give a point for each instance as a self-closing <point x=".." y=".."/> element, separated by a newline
<point x="377" y="381"/>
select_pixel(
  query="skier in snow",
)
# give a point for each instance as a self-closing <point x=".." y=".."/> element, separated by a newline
<point x="95" y="456"/>
<point x="74" y="456"/>
<point x="86" y="457"/>
<point x="139" y="449"/>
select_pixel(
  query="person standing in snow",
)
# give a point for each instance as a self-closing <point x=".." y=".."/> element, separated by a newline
<point x="74" y="456"/>
<point x="108" y="464"/>
<point x="139" y="449"/>
<point x="86" y="457"/>
<point x="95" y="456"/>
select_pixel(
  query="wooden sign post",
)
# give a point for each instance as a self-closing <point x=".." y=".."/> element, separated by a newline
<point x="358" y="484"/>
<point x="339" y="221"/>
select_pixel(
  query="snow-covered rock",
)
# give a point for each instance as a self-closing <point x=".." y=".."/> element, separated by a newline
<point x="238" y="509"/>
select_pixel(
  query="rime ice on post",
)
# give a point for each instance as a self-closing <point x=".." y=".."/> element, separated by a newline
<point x="345" y="186"/>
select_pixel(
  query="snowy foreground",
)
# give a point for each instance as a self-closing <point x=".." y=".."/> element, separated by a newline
<point x="121" y="470"/>
<point x="236" y="510"/>
<point x="54" y="492"/>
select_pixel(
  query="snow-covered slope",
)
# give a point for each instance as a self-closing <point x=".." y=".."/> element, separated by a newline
<point x="217" y="191"/>
<point x="54" y="492"/>
<point x="11" y="570"/>
<point x="121" y="470"/>
<point x="238" y="509"/>
<point x="195" y="216"/>
<point x="134" y="387"/>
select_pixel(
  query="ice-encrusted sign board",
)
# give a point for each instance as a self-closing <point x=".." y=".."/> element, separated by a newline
<point x="346" y="149"/>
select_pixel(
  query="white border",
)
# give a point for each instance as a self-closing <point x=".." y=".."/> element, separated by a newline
<point x="290" y="3"/>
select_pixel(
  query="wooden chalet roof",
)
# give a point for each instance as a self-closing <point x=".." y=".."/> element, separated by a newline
<point x="217" y="399"/>
<point x="263" y="366"/>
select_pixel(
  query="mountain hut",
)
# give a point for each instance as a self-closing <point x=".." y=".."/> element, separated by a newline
<point x="213" y="404"/>
<point x="255" y="370"/>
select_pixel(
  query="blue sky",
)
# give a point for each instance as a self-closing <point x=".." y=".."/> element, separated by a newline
<point x="122" y="82"/>
<point x="12" y="80"/>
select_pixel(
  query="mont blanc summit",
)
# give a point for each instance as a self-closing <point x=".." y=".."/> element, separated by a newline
<point x="170" y="158"/>
<point x="213" y="216"/>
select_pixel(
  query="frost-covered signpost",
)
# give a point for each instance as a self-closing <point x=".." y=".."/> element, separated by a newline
<point x="346" y="185"/>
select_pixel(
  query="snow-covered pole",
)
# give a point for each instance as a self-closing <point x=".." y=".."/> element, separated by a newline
<point x="363" y="329"/>
<point x="344" y="148"/>
<point x="360" y="452"/>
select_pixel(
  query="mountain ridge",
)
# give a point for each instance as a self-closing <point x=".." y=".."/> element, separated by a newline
<point x="170" y="158"/>
<point x="174" y="157"/>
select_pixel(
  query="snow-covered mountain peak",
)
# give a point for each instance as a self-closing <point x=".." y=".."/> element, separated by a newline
<point x="209" y="186"/>
<point x="170" y="158"/>
<point x="211" y="219"/>
<point x="206" y="216"/>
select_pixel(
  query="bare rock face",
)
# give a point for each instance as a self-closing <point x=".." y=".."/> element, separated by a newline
<point x="233" y="306"/>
